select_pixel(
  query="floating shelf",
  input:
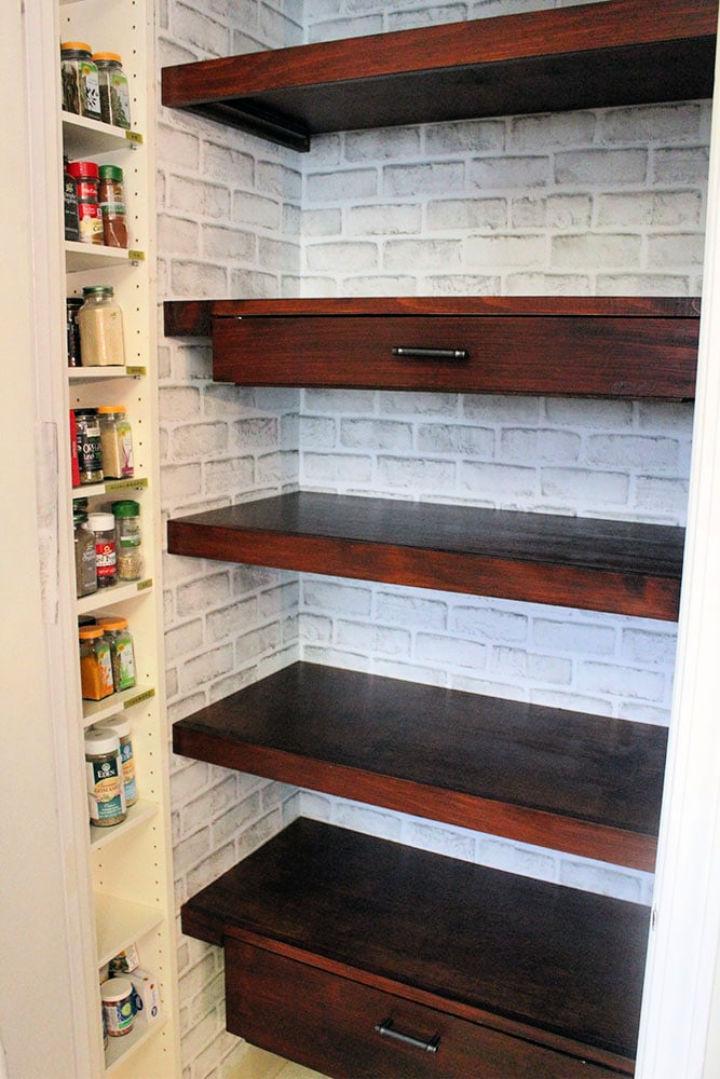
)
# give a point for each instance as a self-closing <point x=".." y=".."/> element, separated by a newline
<point x="119" y="923"/>
<point x="80" y="257"/>
<point x="83" y="136"/>
<point x="95" y="711"/>
<point x="107" y="597"/>
<point x="138" y="814"/>
<point x="584" y="784"/>
<point x="616" y="566"/>
<point x="622" y="52"/>
<point x="616" y="347"/>
<point x="559" y="967"/>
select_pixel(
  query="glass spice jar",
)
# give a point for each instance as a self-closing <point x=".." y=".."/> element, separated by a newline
<point x="74" y="352"/>
<point x="85" y="563"/>
<point x="106" y="796"/>
<point x="101" y="328"/>
<point x="122" y="651"/>
<point x="96" y="673"/>
<point x="80" y="82"/>
<point x="87" y="179"/>
<point x="72" y="225"/>
<point x="116" y="438"/>
<point x="114" y="90"/>
<point x="111" y="184"/>
<point x="114" y="222"/>
<point x="121" y="727"/>
<point x="128" y="537"/>
<point x="103" y="525"/>
<point x="89" y="446"/>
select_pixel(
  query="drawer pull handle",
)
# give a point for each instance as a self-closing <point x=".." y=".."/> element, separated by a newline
<point x="432" y="353"/>
<point x="386" y="1029"/>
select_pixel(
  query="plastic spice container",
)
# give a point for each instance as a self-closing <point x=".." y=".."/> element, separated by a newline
<point x="128" y="538"/>
<point x="89" y="446"/>
<point x="122" y="651"/>
<point x="114" y="91"/>
<point x="116" y="440"/>
<point x="121" y="727"/>
<point x="74" y="352"/>
<point x="85" y="565"/>
<point x="118" y="1002"/>
<point x="103" y="525"/>
<point x="95" y="664"/>
<point x="80" y="81"/>
<point x="101" y="328"/>
<point x="87" y="178"/>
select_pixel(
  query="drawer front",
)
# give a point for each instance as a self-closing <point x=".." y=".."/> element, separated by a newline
<point x="644" y="357"/>
<point x="331" y="1023"/>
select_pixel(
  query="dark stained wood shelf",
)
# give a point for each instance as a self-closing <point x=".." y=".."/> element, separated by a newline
<point x="615" y="347"/>
<point x="584" y="784"/>
<point x="558" y="967"/>
<point x="621" y="52"/>
<point x="617" y="566"/>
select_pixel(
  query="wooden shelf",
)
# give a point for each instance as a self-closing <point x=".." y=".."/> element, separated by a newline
<point x="622" y="52"/>
<point x="561" y="967"/>
<point x="600" y="565"/>
<point x="584" y="784"/>
<point x="617" y="347"/>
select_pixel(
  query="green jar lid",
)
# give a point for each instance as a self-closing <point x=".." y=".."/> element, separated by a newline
<point x="95" y="290"/>
<point x="126" y="508"/>
<point x="111" y="172"/>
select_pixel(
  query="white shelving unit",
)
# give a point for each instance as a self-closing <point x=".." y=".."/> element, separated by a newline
<point x="120" y="877"/>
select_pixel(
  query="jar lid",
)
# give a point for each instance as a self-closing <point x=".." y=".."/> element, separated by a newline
<point x="95" y="290"/>
<point x="101" y="522"/>
<point x="85" y="412"/>
<point x="111" y="172"/>
<point x="74" y="301"/>
<point x="113" y="623"/>
<point x="107" y="410"/>
<point x="115" y="989"/>
<point x="113" y="56"/>
<point x="97" y="741"/>
<point x="118" y="725"/>
<point x="85" y="620"/>
<point x="126" y="508"/>
<point x="83" y="169"/>
<point x="75" y="46"/>
<point x="89" y="633"/>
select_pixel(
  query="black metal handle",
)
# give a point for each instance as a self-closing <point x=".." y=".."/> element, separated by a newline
<point x="386" y="1029"/>
<point x="432" y="353"/>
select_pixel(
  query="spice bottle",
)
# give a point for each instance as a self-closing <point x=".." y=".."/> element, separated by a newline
<point x="128" y="537"/>
<point x="122" y="652"/>
<point x="116" y="439"/>
<point x="89" y="446"/>
<point x="72" y="227"/>
<point x="95" y="664"/>
<point x="101" y="328"/>
<point x="80" y="83"/>
<point x="103" y="767"/>
<point x="103" y="525"/>
<point x="121" y="727"/>
<point x="74" y="461"/>
<point x="86" y="177"/>
<point x="118" y="1003"/>
<point x="111" y="195"/>
<point x="112" y="187"/>
<point x="74" y="353"/>
<point x="114" y="91"/>
<point x="85" y="565"/>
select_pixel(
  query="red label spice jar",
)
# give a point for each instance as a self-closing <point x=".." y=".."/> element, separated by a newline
<point x="103" y="525"/>
<point x="86" y="176"/>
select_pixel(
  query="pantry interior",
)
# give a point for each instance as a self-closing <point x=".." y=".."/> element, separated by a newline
<point x="451" y="209"/>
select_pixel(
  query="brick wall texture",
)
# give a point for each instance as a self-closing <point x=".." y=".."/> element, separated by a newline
<point x="608" y="201"/>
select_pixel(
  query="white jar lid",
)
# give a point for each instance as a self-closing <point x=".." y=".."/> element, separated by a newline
<point x="115" y="989"/>
<point x="119" y="725"/>
<point x="101" y="522"/>
<point x="97" y="742"/>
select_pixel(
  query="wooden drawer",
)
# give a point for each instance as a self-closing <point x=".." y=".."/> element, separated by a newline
<point x="330" y="1023"/>
<point x="619" y="357"/>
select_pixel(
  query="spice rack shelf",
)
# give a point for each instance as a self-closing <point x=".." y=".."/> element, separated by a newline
<point x="585" y="784"/>
<point x="107" y="597"/>
<point x="621" y="52"/>
<point x="109" y="487"/>
<point x="120" y="923"/>
<point x="83" y="136"/>
<point x="95" y="711"/>
<point x="138" y="814"/>
<point x="121" y="1050"/>
<point x="80" y="257"/>
<point x="94" y="374"/>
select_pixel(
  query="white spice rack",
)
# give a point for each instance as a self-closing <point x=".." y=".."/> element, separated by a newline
<point x="110" y="487"/>
<point x="94" y="374"/>
<point x="96" y="711"/>
<point x="108" y="597"/>
<point x="137" y="815"/>
<point x="84" y="137"/>
<point x="79" y="256"/>
<point x="120" y="923"/>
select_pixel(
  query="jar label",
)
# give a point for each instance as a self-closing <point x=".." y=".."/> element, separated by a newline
<point x="105" y="790"/>
<point x="128" y="768"/>
<point x="105" y="557"/>
<point x="89" y="446"/>
<point x="124" y="665"/>
<point x="119" y="1015"/>
<point x="89" y="89"/>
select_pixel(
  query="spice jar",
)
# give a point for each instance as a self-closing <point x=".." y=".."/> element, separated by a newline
<point x="103" y="768"/>
<point x="87" y="178"/>
<point x="101" y="328"/>
<point x="95" y="664"/>
<point x="72" y="228"/>
<point x="112" y="187"/>
<point x="74" y="462"/>
<point x="89" y="446"/>
<point x="111" y="195"/>
<point x="121" y="727"/>
<point x="114" y="91"/>
<point x="116" y="439"/>
<point x="103" y="525"/>
<point x="74" y="353"/>
<point x="122" y="652"/>
<point x="80" y="82"/>
<point x="128" y="537"/>
<point x="85" y="565"/>
<point x="118" y="1003"/>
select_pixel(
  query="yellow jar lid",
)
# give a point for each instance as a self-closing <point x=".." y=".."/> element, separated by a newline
<point x="89" y="633"/>
<point x="108" y="56"/>
<point x="76" y="46"/>
<point x="106" y="409"/>
<point x="113" y="623"/>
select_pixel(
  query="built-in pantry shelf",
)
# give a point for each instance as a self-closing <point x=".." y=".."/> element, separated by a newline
<point x="584" y="784"/>
<point x="618" y="566"/>
<point x="622" y="52"/>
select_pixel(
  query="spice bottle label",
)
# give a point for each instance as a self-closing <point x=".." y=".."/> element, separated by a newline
<point x="126" y="450"/>
<point x="89" y="89"/>
<point x="128" y="769"/>
<point x="105" y="558"/>
<point x="105" y="790"/>
<point x="125" y="665"/>
<point x="104" y="662"/>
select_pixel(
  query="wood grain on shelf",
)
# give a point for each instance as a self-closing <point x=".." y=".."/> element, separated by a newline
<point x="618" y="566"/>
<point x="584" y="784"/>
<point x="557" y="965"/>
<point x="620" y="52"/>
